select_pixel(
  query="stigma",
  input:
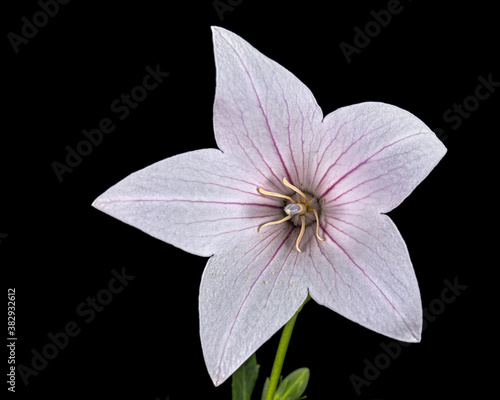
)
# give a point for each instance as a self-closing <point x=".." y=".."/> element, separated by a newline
<point x="296" y="210"/>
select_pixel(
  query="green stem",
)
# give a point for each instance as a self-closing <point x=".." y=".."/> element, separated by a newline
<point x="281" y="352"/>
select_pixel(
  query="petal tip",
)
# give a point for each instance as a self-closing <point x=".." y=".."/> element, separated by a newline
<point x="414" y="334"/>
<point x="217" y="30"/>
<point x="415" y="338"/>
<point x="98" y="203"/>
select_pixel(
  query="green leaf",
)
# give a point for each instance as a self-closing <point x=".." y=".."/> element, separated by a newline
<point x="244" y="379"/>
<point x="293" y="386"/>
<point x="265" y="390"/>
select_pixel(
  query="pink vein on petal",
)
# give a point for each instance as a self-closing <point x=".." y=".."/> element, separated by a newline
<point x="261" y="109"/>
<point x="223" y="219"/>
<point x="279" y="272"/>
<point x="227" y="177"/>
<point x="271" y="237"/>
<point x="219" y="185"/>
<point x="226" y="232"/>
<point x="364" y="162"/>
<point x="331" y="265"/>
<point x="344" y="152"/>
<point x="361" y="184"/>
<point x="324" y="207"/>
<point x="371" y="282"/>
<point x="369" y="248"/>
<point x="289" y="136"/>
<point x="258" y="151"/>
<point x="361" y="229"/>
<point x="250" y="290"/>
<point x="185" y="201"/>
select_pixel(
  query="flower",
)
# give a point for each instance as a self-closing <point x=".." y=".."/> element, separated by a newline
<point x="284" y="179"/>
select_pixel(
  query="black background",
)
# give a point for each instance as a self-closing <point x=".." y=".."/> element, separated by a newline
<point x="57" y="250"/>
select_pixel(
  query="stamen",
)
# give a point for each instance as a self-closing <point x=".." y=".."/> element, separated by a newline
<point x="302" y="229"/>
<point x="317" y="224"/>
<point x="275" y="222"/>
<point x="262" y="191"/>
<point x="294" y="188"/>
<point x="297" y="208"/>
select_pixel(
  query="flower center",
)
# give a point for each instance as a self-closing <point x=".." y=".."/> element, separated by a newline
<point x="298" y="210"/>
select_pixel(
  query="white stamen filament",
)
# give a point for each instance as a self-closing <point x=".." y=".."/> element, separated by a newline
<point x="275" y="222"/>
<point x="294" y="188"/>
<point x="317" y="224"/>
<point x="262" y="191"/>
<point x="302" y="229"/>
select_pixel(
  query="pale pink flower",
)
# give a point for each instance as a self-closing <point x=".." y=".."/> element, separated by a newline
<point x="353" y="165"/>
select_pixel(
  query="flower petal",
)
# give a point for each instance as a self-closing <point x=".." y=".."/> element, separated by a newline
<point x="373" y="154"/>
<point x="363" y="272"/>
<point x="263" y="114"/>
<point x="200" y="201"/>
<point x="246" y="296"/>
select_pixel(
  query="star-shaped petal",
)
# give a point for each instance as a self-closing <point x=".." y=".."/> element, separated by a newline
<point x="348" y="169"/>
